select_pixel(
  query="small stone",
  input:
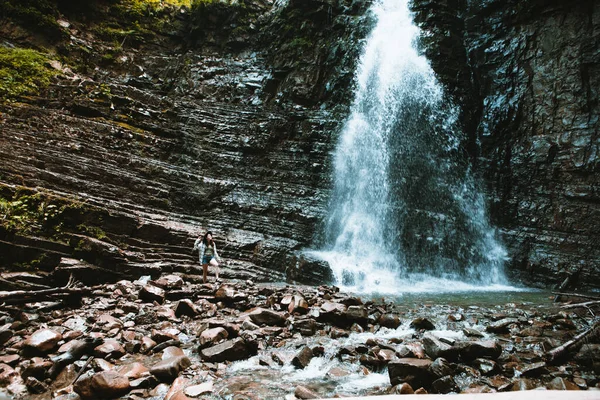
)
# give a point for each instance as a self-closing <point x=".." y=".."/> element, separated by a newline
<point x="298" y="304"/>
<point x="445" y="385"/>
<point x="186" y="307"/>
<point x="225" y="293"/>
<point x="167" y="370"/>
<point x="471" y="350"/>
<point x="110" y="349"/>
<point x="501" y="326"/>
<point x="133" y="371"/>
<point x="559" y="383"/>
<point x="262" y="316"/>
<point x="147" y="344"/>
<point x="302" y="392"/>
<point x="435" y="348"/>
<point x="422" y="323"/>
<point x="5" y="333"/>
<point x="169" y="282"/>
<point x="212" y="336"/>
<point x="172" y="351"/>
<point x="441" y="367"/>
<point x="35" y="386"/>
<point x="485" y="366"/>
<point x="472" y="332"/>
<point x="414" y="371"/>
<point x="402" y="388"/>
<point x="248" y="325"/>
<point x="534" y="370"/>
<point x="197" y="390"/>
<point x="231" y="350"/>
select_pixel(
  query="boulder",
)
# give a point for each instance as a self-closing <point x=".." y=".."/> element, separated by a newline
<point x="231" y="350"/>
<point x="169" y="282"/>
<point x="306" y="327"/>
<point x="151" y="293"/>
<point x="501" y="326"/>
<point x="414" y="371"/>
<point x="357" y="314"/>
<point x="302" y="392"/>
<point x="133" y="371"/>
<point x="263" y="316"/>
<point x="441" y="367"/>
<point x="42" y="341"/>
<point x="167" y="370"/>
<point x="298" y="304"/>
<point x="225" y="294"/>
<point x="172" y="351"/>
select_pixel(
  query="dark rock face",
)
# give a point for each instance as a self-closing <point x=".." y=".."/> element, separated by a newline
<point x="200" y="127"/>
<point x="525" y="74"/>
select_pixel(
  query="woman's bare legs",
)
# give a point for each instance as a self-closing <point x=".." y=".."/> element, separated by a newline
<point x="215" y="264"/>
<point x="204" y="272"/>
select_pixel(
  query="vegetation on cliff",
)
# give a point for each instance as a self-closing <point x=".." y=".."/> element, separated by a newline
<point x="23" y="71"/>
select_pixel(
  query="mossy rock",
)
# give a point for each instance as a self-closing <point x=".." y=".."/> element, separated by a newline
<point x="23" y="72"/>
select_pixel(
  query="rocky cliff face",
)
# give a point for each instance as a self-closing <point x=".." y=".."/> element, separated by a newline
<point x="526" y="74"/>
<point x="147" y="139"/>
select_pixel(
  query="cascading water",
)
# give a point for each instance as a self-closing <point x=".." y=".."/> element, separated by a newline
<point x="405" y="210"/>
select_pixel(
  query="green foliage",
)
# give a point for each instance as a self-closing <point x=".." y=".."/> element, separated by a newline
<point x="38" y="15"/>
<point x="23" y="71"/>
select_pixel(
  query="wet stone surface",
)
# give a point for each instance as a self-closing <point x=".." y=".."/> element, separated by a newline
<point x="276" y="341"/>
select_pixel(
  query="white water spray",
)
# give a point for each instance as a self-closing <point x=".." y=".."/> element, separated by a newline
<point x="405" y="210"/>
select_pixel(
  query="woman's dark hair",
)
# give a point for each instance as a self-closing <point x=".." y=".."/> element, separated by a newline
<point x="205" y="236"/>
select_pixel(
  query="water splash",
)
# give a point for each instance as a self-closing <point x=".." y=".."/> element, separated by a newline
<point x="405" y="207"/>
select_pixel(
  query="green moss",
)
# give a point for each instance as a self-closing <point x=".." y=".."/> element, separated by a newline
<point x="23" y="71"/>
<point x="37" y="15"/>
<point x="93" y="231"/>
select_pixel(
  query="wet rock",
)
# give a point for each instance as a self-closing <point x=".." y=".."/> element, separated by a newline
<point x="176" y="391"/>
<point x="106" y="384"/>
<point x="35" y="386"/>
<point x="371" y="362"/>
<point x="441" y="367"/>
<point x="42" y="341"/>
<point x="302" y="392"/>
<point x="73" y="351"/>
<point x="403" y="388"/>
<point x="147" y="344"/>
<point x="385" y="355"/>
<point x="479" y="349"/>
<point x="108" y="322"/>
<point x="501" y="326"/>
<point x="5" y="333"/>
<point x="522" y="384"/>
<point x="164" y="335"/>
<point x="172" y="351"/>
<point x="151" y="293"/>
<point x="445" y="385"/>
<point x="534" y="370"/>
<point x="7" y="374"/>
<point x="421" y="391"/>
<point x="144" y="382"/>
<point x="389" y="321"/>
<point x="225" y="294"/>
<point x="485" y="366"/>
<point x="248" y="325"/>
<point x="336" y="333"/>
<point x="298" y="304"/>
<point x="133" y="371"/>
<point x="231" y="350"/>
<point x="472" y="332"/>
<point x="169" y="282"/>
<point x="413" y="371"/>
<point x="212" y="336"/>
<point x="167" y="370"/>
<point x="588" y="354"/>
<point x="262" y="316"/>
<point x="357" y="314"/>
<point x="110" y="349"/>
<point x="10" y="359"/>
<point x="302" y="358"/>
<point x="37" y="367"/>
<point x="186" y="307"/>
<point x="435" y="348"/>
<point x="100" y="364"/>
<point x="422" y="324"/>
<point x="559" y="383"/>
<point x="306" y="327"/>
<point x="198" y="390"/>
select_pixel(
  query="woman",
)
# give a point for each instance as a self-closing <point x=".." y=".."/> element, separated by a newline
<point x="207" y="250"/>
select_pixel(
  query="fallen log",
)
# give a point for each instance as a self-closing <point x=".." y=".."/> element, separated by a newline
<point x="68" y="292"/>
<point x="561" y="351"/>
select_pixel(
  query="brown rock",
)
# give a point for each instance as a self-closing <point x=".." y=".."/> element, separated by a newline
<point x="35" y="386"/>
<point x="169" y="282"/>
<point x="197" y="390"/>
<point x="302" y="392"/>
<point x="501" y="326"/>
<point x="435" y="348"/>
<point x="422" y="323"/>
<point x="534" y="370"/>
<point x="176" y="391"/>
<point x="108" y="322"/>
<point x="471" y="350"/>
<point x="559" y="383"/>
<point x="186" y="307"/>
<point x="106" y="384"/>
<point x="306" y="327"/>
<point x="160" y="336"/>
<point x="225" y="293"/>
<point x="133" y="371"/>
<point x="151" y="293"/>
<point x="413" y="371"/>
<point x="444" y="385"/>
<point x="389" y="321"/>
<point x="403" y="388"/>
<point x="37" y="367"/>
<point x="262" y="316"/>
<point x="441" y="367"/>
<point x="302" y="358"/>
<point x="5" y="333"/>
<point x="42" y="341"/>
<point x="110" y="349"/>
<point x="421" y="391"/>
<point x="231" y="350"/>
<point x="298" y="304"/>
<point x="147" y="344"/>
<point x="172" y="351"/>
<point x="7" y="374"/>
<point x="212" y="336"/>
<point x="485" y="366"/>
<point x="167" y="370"/>
<point x="522" y="384"/>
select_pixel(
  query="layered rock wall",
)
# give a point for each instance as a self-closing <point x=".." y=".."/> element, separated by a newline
<point x="526" y="75"/>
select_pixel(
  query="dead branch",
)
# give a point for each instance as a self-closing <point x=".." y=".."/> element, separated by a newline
<point x="585" y="304"/>
<point x="562" y="350"/>
<point x="584" y="296"/>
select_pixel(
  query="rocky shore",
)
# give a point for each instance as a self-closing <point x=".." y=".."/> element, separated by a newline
<point x="173" y="338"/>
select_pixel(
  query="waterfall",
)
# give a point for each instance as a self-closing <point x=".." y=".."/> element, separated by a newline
<point x="405" y="210"/>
